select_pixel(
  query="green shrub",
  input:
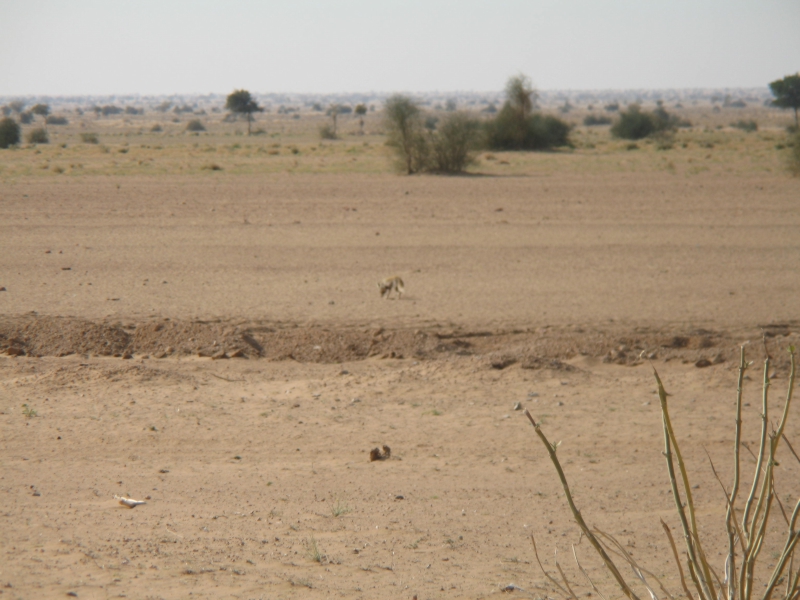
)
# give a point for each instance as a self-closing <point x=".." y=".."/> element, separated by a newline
<point x="26" y="118"/>
<point x="195" y="125"/>
<point x="56" y="120"/>
<point x="38" y="136"/>
<point x="748" y="126"/>
<point x="633" y="124"/>
<point x="90" y="138"/>
<point x="536" y="132"/>
<point x="591" y="120"/>
<point x="454" y="143"/>
<point x="9" y="132"/>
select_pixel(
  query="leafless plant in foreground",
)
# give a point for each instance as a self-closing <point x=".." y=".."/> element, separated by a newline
<point x="745" y="538"/>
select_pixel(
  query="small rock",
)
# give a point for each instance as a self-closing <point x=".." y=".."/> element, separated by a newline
<point x="702" y="363"/>
<point x="219" y="355"/>
<point x="3" y="289"/>
<point x="560" y="403"/>
<point x="237" y="354"/>
<point x="517" y="406"/>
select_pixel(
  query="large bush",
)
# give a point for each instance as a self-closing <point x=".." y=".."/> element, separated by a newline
<point x="518" y="127"/>
<point x="591" y="120"/>
<point x="634" y="124"/>
<point x="508" y="131"/>
<point x="9" y="132"/>
<point x="56" y="120"/>
<point x="427" y="145"/>
<point x="453" y="143"/>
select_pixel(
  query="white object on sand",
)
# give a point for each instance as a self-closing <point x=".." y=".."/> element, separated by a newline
<point x="129" y="502"/>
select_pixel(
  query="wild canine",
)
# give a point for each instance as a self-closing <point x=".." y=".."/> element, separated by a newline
<point x="386" y="286"/>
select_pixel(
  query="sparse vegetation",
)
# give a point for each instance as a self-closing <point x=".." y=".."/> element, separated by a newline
<point x="9" y="132"/>
<point x="38" y="136"/>
<point x="29" y="411"/>
<point x="90" y="138"/>
<point x="315" y="554"/>
<point x="340" y="508"/>
<point x="41" y="110"/>
<point x="56" y="120"/>
<point x="745" y="125"/>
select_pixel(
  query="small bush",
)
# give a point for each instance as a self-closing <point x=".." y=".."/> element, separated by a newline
<point x="156" y="128"/>
<point x="56" y="120"/>
<point x="130" y="110"/>
<point x="195" y="125"/>
<point x="38" y="136"/>
<point x="108" y="109"/>
<point x="327" y="132"/>
<point x="591" y="120"/>
<point x="90" y="138"/>
<point x="794" y="155"/>
<point x="9" y="132"/>
<point x="613" y="107"/>
<point x="748" y="126"/>
<point x="26" y="118"/>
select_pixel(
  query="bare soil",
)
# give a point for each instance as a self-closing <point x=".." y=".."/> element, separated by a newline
<point x="216" y="346"/>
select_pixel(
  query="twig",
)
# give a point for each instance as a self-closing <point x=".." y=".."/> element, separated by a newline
<point x="785" y="439"/>
<point x="585" y="574"/>
<point x="677" y="560"/>
<point x="546" y="574"/>
<point x="638" y="571"/>
<point x="225" y="378"/>
<point x="564" y="578"/>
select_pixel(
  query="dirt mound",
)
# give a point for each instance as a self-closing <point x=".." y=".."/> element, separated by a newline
<point x="542" y="348"/>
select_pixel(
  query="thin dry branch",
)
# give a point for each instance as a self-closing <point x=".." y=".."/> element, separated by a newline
<point x="677" y="560"/>
<point x="576" y="514"/>
<point x="585" y="574"/>
<point x="697" y="560"/>
<point x="546" y="574"/>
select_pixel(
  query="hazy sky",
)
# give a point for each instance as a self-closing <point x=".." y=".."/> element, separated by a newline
<point x="63" y="47"/>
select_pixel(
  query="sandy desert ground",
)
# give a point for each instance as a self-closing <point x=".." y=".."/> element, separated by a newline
<point x="213" y="342"/>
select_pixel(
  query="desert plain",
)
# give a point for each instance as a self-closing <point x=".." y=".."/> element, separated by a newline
<point x="192" y="320"/>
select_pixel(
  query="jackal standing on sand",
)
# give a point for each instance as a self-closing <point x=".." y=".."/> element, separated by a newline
<point x="395" y="283"/>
